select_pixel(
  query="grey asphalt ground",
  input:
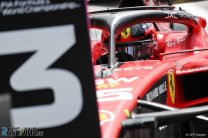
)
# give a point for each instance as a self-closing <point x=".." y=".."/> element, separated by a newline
<point x="196" y="7"/>
<point x="199" y="8"/>
<point x="192" y="4"/>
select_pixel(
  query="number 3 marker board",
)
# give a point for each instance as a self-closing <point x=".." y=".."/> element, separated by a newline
<point x="45" y="64"/>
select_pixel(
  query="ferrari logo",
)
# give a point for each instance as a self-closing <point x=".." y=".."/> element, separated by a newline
<point x="171" y="85"/>
<point x="125" y="33"/>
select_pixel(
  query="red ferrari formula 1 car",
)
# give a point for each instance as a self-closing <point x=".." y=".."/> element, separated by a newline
<point x="142" y="66"/>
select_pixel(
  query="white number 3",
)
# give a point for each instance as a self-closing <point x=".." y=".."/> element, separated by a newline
<point x="49" y="44"/>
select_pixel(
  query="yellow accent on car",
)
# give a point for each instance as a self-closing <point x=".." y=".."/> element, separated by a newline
<point x="171" y="85"/>
<point x="126" y="32"/>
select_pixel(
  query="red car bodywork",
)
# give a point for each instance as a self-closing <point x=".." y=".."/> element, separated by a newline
<point x="177" y="54"/>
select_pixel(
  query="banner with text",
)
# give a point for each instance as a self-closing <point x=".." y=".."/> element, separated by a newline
<point x="46" y="66"/>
